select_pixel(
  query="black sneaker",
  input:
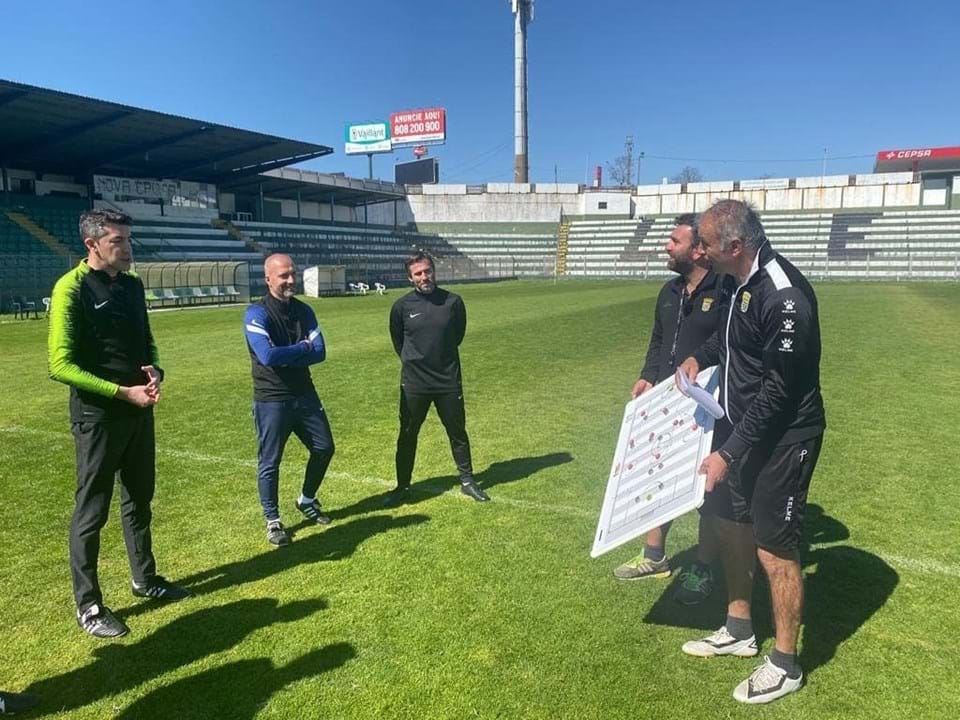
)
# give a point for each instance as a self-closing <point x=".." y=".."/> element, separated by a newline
<point x="98" y="621"/>
<point x="695" y="586"/>
<point x="311" y="511"/>
<point x="277" y="534"/>
<point x="11" y="703"/>
<point x="471" y="489"/>
<point x="159" y="588"/>
<point x="397" y="496"/>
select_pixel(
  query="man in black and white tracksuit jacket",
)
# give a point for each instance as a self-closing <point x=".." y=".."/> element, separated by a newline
<point x="769" y="356"/>
<point x="427" y="326"/>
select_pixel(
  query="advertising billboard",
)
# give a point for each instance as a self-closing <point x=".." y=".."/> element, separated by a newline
<point x="367" y="138"/>
<point x="417" y="172"/>
<point x="918" y="159"/>
<point x="416" y="127"/>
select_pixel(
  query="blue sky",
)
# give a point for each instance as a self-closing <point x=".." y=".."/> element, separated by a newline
<point x="737" y="89"/>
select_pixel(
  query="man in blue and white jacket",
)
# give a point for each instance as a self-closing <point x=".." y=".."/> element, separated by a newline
<point x="284" y="341"/>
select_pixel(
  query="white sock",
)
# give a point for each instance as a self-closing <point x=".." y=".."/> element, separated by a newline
<point x="304" y="500"/>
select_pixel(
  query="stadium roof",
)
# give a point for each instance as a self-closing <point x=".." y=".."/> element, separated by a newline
<point x="321" y="187"/>
<point x="50" y="131"/>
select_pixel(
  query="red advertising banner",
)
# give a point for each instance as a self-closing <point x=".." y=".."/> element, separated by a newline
<point x="414" y="127"/>
<point x="918" y="154"/>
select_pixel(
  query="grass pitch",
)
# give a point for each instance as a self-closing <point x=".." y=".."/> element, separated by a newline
<point x="445" y="608"/>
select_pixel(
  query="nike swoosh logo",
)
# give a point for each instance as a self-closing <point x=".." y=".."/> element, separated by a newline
<point x="97" y="306"/>
<point x="413" y="315"/>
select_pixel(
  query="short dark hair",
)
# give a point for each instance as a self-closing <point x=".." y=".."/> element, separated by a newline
<point x="691" y="220"/>
<point x="419" y="256"/>
<point x="92" y="222"/>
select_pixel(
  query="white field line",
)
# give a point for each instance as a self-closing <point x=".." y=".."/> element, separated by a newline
<point x="918" y="565"/>
<point x="926" y="567"/>
<point x="332" y="474"/>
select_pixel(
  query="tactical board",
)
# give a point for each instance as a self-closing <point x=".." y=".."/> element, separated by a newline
<point x="664" y="437"/>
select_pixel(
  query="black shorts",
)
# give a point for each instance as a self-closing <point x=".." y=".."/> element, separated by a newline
<point x="718" y="503"/>
<point x="769" y="489"/>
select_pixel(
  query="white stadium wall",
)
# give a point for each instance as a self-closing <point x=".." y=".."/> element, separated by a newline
<point x="876" y="190"/>
<point x="902" y="195"/>
<point x="605" y="203"/>
<point x="386" y="213"/>
<point x="820" y="198"/>
<point x="438" y="204"/>
<point x="870" y="196"/>
<point x="677" y="204"/>
<point x="754" y="197"/>
<point x="791" y="199"/>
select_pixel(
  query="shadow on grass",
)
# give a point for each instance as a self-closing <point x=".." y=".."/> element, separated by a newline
<point x="847" y="587"/>
<point x="118" y="668"/>
<point x="498" y="473"/>
<point x="333" y="543"/>
<point x="238" y="690"/>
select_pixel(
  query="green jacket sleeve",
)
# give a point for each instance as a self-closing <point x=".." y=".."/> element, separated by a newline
<point x="61" y="340"/>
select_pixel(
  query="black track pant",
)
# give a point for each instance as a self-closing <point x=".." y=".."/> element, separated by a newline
<point x="413" y="410"/>
<point x="124" y="446"/>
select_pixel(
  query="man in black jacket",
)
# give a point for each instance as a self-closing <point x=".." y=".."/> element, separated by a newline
<point x="769" y="355"/>
<point x="689" y="310"/>
<point x="100" y="344"/>
<point x="427" y="326"/>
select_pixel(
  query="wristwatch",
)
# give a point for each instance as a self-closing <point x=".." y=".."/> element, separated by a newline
<point x="727" y="457"/>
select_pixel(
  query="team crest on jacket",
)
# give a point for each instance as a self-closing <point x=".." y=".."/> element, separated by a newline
<point x="707" y="304"/>
<point x="744" y="301"/>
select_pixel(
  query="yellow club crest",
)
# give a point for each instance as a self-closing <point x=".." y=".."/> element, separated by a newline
<point x="707" y="304"/>
<point x="744" y="301"/>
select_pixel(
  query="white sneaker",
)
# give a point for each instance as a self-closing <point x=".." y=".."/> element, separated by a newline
<point x="766" y="683"/>
<point x="721" y="643"/>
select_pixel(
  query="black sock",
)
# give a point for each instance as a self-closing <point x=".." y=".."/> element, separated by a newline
<point x="786" y="661"/>
<point x="740" y="628"/>
<point x="654" y="553"/>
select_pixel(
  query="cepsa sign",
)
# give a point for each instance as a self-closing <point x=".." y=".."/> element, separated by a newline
<point x="919" y="153"/>
<point x="414" y="127"/>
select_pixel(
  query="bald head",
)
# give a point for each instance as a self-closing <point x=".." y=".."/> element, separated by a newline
<point x="281" y="275"/>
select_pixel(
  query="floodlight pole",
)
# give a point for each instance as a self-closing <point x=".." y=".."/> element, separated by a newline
<point x="523" y="14"/>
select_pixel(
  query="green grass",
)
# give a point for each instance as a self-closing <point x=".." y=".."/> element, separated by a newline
<point x="449" y="609"/>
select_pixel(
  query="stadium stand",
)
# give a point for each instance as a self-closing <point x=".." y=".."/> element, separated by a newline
<point x="202" y="192"/>
<point x="369" y="253"/>
<point x="502" y="249"/>
<point x="887" y="244"/>
<point x="15" y="240"/>
<point x="606" y="247"/>
<point x="54" y="216"/>
<point x="170" y="238"/>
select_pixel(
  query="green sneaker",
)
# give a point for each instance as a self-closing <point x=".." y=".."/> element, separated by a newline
<point x="641" y="567"/>
<point x="695" y="586"/>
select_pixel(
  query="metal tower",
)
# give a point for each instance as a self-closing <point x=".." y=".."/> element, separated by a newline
<point x="523" y="14"/>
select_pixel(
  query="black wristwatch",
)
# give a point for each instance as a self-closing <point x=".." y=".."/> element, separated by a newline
<point x="727" y="457"/>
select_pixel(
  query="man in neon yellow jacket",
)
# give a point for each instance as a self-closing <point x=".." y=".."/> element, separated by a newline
<point x="100" y="345"/>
